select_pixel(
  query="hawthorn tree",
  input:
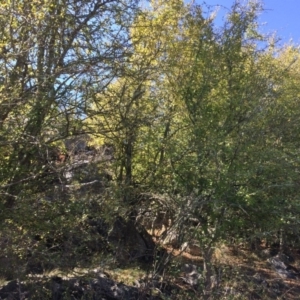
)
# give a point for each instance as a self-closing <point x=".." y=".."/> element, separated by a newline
<point x="53" y="54"/>
<point x="215" y="126"/>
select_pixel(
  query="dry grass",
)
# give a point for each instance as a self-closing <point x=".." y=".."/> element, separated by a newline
<point x="127" y="275"/>
<point x="245" y="275"/>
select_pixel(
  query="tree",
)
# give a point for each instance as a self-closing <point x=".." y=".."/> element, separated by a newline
<point x="218" y="152"/>
<point x="53" y="52"/>
<point x="202" y="120"/>
<point x="240" y="170"/>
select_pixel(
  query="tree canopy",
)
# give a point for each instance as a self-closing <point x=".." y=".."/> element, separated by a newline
<point x="203" y="116"/>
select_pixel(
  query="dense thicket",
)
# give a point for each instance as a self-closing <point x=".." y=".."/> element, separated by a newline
<point x="202" y="118"/>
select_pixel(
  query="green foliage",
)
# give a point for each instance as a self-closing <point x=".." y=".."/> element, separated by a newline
<point x="202" y="115"/>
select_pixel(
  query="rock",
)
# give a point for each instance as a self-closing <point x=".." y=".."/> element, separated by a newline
<point x="131" y="242"/>
<point x="75" y="288"/>
<point x="191" y="275"/>
<point x="284" y="270"/>
<point x="285" y="256"/>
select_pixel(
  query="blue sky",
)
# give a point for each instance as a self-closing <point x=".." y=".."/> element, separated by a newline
<point x="280" y="16"/>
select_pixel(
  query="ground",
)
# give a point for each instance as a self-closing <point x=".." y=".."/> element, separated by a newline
<point x="239" y="273"/>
